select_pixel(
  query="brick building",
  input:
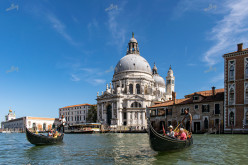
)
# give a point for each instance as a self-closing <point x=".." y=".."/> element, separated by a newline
<point x="236" y="91"/>
<point x="206" y="108"/>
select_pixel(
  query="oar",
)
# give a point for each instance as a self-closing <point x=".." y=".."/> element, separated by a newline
<point x="179" y="124"/>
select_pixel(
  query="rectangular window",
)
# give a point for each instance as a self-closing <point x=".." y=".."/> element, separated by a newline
<point x="217" y="108"/>
<point x="196" y="106"/>
<point x="124" y="115"/>
<point x="231" y="70"/>
<point x="205" y="108"/>
<point x="195" y="97"/>
<point x="168" y="111"/>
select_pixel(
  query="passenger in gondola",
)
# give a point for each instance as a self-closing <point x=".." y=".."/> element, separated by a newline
<point x="50" y="133"/>
<point x="171" y="132"/>
<point x="188" y="118"/>
<point x="182" y="134"/>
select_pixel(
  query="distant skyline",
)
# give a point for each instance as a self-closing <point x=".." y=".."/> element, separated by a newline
<point x="59" y="53"/>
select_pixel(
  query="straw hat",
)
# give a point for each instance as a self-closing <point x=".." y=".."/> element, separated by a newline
<point x="181" y="129"/>
<point x="170" y="127"/>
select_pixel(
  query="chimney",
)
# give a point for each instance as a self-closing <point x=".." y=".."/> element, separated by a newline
<point x="174" y="94"/>
<point x="240" y="47"/>
<point x="213" y="91"/>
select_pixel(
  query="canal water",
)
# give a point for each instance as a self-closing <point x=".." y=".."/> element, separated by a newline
<point x="122" y="149"/>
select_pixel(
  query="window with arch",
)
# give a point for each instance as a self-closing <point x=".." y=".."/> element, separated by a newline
<point x="231" y="71"/>
<point x="246" y="117"/>
<point x="44" y="126"/>
<point x="131" y="88"/>
<point x="231" y="96"/>
<point x="231" y="118"/>
<point x="246" y="70"/>
<point x="137" y="88"/>
<point x="136" y="105"/>
<point x="246" y="95"/>
<point x="206" y="123"/>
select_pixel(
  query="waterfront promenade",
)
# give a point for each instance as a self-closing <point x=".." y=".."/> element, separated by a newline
<point x="122" y="149"/>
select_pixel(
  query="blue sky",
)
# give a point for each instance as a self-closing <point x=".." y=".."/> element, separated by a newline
<point x="61" y="52"/>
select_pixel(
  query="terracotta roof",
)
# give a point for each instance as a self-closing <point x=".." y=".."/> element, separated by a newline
<point x="207" y="93"/>
<point x="236" y="51"/>
<point x="78" y="105"/>
<point x="208" y="97"/>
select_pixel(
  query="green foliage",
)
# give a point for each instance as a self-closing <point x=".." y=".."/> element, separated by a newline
<point x="92" y="114"/>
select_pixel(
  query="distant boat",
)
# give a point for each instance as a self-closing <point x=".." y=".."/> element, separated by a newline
<point x="159" y="142"/>
<point x="84" y="128"/>
<point x="6" y="131"/>
<point x="39" y="139"/>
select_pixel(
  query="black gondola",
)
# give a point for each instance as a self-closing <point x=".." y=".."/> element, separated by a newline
<point x="37" y="139"/>
<point x="158" y="142"/>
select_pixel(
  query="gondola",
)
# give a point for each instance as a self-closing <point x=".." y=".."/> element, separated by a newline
<point x="159" y="142"/>
<point x="37" y="139"/>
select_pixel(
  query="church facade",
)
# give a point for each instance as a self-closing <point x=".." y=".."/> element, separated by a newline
<point x="134" y="86"/>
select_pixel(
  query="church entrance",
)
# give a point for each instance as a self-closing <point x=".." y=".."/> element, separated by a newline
<point x="109" y="114"/>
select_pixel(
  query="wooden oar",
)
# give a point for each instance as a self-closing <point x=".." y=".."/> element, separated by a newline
<point x="179" y="124"/>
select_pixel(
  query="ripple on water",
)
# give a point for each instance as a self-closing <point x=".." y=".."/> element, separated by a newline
<point x="122" y="149"/>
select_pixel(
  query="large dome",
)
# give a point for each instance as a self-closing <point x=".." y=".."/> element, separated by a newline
<point x="159" y="80"/>
<point x="133" y="62"/>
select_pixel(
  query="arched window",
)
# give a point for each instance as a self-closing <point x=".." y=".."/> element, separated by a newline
<point x="231" y="118"/>
<point x="138" y="88"/>
<point x="231" y="96"/>
<point x="131" y="88"/>
<point x="231" y="73"/>
<point x="136" y="105"/>
<point x="246" y="71"/>
<point x="206" y="123"/>
<point x="44" y="126"/>
<point x="34" y="126"/>
<point x="246" y="96"/>
<point x="246" y="117"/>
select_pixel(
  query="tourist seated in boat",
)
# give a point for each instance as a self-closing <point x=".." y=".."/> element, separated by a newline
<point x="170" y="132"/>
<point x="50" y="133"/>
<point x="181" y="135"/>
<point x="56" y="134"/>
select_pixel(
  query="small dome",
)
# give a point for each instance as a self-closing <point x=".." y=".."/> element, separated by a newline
<point x="133" y="62"/>
<point x="159" y="80"/>
<point x="133" y="40"/>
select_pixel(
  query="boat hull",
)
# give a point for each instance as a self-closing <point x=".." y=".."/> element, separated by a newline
<point x="42" y="139"/>
<point x="158" y="142"/>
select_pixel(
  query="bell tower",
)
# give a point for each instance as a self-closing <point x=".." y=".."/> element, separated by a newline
<point x="170" y="82"/>
<point x="133" y="46"/>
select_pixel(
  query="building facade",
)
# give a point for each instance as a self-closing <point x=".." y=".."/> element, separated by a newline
<point x="134" y="86"/>
<point x="236" y="90"/>
<point x="75" y="114"/>
<point x="35" y="123"/>
<point x="206" y="108"/>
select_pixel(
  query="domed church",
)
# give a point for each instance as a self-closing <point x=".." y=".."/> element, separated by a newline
<point x="134" y="86"/>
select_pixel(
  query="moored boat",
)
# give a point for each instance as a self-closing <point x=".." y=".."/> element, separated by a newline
<point x="39" y="139"/>
<point x="159" y="142"/>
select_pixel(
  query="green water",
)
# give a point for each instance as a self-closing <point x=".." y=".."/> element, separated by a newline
<point x="122" y="149"/>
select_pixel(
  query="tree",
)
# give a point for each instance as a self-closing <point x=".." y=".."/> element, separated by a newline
<point x="92" y="114"/>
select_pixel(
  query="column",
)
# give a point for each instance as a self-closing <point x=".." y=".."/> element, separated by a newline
<point x="138" y="118"/>
<point x="128" y="118"/>
<point x="133" y="117"/>
<point x="113" y="116"/>
<point x="120" y="118"/>
<point x="143" y="118"/>
<point x="102" y="111"/>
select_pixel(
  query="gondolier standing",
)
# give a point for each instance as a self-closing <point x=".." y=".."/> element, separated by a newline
<point x="188" y="118"/>
<point x="62" y="121"/>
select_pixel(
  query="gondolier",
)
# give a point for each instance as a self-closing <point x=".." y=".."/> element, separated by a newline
<point x="188" y="118"/>
<point x="62" y="123"/>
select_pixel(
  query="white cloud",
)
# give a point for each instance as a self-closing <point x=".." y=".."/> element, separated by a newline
<point x="229" y="31"/>
<point x="111" y="69"/>
<point x="99" y="81"/>
<point x="13" y="69"/>
<point x="60" y="27"/>
<point x="12" y="7"/>
<point x="112" y="7"/>
<point x="218" y="78"/>
<point x="75" y="77"/>
<point x="210" y="69"/>
<point x="117" y="31"/>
